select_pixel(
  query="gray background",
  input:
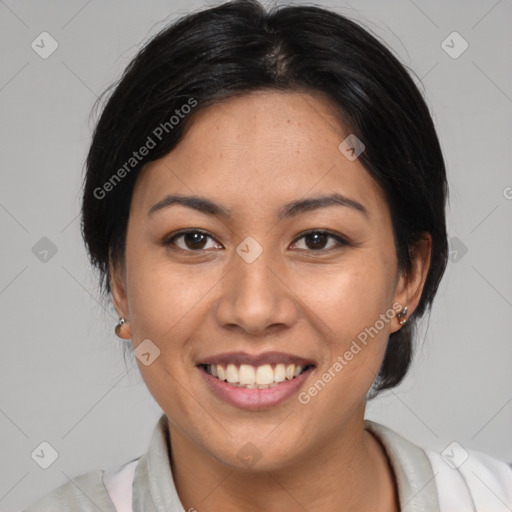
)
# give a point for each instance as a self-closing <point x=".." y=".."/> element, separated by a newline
<point x="62" y="376"/>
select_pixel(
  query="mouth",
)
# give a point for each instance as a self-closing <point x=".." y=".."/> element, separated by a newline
<point x="255" y="377"/>
<point x="255" y="381"/>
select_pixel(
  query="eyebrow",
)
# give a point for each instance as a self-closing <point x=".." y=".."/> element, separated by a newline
<point x="204" y="205"/>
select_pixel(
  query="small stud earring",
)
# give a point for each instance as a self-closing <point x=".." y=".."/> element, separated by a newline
<point x="119" y="326"/>
<point x="401" y="316"/>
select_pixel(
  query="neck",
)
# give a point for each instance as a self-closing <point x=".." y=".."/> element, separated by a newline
<point x="349" y="472"/>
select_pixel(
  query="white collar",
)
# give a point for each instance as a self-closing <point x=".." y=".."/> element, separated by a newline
<point x="426" y="483"/>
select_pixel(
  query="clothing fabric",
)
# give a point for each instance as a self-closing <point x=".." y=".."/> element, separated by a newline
<point x="426" y="481"/>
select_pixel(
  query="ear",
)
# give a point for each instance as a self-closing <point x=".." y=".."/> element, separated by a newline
<point x="410" y="286"/>
<point x="118" y="287"/>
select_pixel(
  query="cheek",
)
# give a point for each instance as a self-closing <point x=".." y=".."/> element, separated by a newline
<point x="162" y="299"/>
<point x="347" y="298"/>
<point x="163" y="308"/>
<point x="350" y="300"/>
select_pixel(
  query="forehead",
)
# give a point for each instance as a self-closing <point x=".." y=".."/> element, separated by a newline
<point x="257" y="151"/>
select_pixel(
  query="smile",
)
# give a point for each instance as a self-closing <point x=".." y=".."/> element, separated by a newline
<point x="255" y="377"/>
<point x="255" y="381"/>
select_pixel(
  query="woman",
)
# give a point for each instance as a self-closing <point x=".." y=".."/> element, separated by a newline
<point x="264" y="200"/>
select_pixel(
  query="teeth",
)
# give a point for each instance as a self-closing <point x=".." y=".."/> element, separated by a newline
<point x="232" y="373"/>
<point x="279" y="373"/>
<point x="247" y="374"/>
<point x="264" y="374"/>
<point x="250" y="377"/>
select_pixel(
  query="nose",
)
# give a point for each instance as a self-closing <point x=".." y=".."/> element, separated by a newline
<point x="256" y="297"/>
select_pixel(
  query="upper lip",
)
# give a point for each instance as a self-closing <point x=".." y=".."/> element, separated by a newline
<point x="239" y="358"/>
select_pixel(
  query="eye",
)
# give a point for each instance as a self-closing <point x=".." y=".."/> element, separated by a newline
<point x="193" y="239"/>
<point x="317" y="240"/>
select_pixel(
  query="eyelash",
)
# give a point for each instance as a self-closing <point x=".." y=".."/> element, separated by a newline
<point x="341" y="240"/>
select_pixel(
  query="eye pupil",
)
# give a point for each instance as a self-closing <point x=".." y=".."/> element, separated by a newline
<point x="322" y="237"/>
<point x="196" y="237"/>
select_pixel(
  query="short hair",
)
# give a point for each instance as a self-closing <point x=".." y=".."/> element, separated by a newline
<point x="239" y="47"/>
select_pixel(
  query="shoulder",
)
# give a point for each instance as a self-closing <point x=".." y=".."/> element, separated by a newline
<point x="84" y="493"/>
<point x="452" y="480"/>
<point x="485" y="482"/>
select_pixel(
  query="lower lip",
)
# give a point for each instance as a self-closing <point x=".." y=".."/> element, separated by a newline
<point x="245" y="398"/>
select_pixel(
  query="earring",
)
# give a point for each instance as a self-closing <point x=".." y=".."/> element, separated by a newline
<point x="401" y="316"/>
<point x="119" y="326"/>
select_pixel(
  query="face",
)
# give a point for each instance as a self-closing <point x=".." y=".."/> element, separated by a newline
<point x="262" y="287"/>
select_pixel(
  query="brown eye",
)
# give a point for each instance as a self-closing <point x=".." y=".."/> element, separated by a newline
<point x="316" y="240"/>
<point x="192" y="240"/>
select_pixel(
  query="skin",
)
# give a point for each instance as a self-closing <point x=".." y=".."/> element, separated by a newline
<point x="252" y="154"/>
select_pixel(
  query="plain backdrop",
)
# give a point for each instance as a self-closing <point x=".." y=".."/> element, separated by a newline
<point x="63" y="379"/>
